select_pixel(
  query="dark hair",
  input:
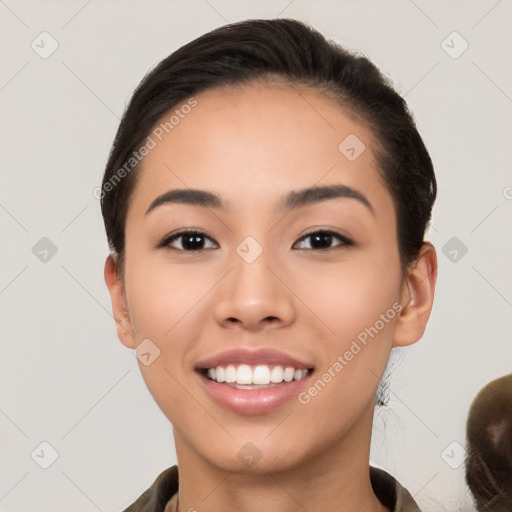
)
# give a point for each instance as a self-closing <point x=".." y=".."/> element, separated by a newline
<point x="489" y="447"/>
<point x="270" y="51"/>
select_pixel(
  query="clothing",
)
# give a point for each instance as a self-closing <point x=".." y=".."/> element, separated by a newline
<point x="163" y="493"/>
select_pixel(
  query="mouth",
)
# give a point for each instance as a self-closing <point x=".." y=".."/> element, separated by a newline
<point x="253" y="382"/>
<point x="245" y="376"/>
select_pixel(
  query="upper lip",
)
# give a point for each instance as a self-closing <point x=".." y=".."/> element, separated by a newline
<point x="268" y="356"/>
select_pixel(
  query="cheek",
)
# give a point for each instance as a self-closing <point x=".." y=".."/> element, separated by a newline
<point x="161" y="296"/>
<point x="359" y="303"/>
<point x="165" y="307"/>
<point x="168" y="305"/>
<point x="352" y="295"/>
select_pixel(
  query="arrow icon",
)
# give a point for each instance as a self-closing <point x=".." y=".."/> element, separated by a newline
<point x="249" y="253"/>
<point x="44" y="44"/>
<point x="454" y="249"/>
<point x="44" y="250"/>
<point x="453" y="455"/>
<point x="351" y="147"/>
<point x="249" y="454"/>
<point x="454" y="45"/>
<point x="44" y="455"/>
<point x="147" y="352"/>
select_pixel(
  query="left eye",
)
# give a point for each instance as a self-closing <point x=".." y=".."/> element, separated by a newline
<point x="192" y="241"/>
<point x="321" y="240"/>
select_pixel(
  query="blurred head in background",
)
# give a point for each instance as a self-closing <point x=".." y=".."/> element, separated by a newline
<point x="489" y="447"/>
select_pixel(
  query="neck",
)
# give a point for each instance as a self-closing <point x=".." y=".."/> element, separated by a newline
<point x="333" y="480"/>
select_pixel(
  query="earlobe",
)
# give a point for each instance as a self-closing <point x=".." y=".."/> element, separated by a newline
<point x="417" y="297"/>
<point x="119" y="304"/>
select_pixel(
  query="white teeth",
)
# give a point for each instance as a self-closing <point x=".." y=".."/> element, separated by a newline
<point x="230" y="374"/>
<point x="277" y="374"/>
<point x="261" y="374"/>
<point x="288" y="374"/>
<point x="243" y="374"/>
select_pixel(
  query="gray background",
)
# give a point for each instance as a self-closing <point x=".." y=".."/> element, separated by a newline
<point x="66" y="379"/>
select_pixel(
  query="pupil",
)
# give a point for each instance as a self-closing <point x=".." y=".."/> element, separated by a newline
<point x="192" y="242"/>
<point x="323" y="236"/>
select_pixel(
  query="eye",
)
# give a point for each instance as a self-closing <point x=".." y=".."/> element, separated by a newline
<point x="191" y="241"/>
<point x="321" y="240"/>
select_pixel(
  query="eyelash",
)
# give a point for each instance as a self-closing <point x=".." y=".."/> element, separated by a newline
<point x="165" y="244"/>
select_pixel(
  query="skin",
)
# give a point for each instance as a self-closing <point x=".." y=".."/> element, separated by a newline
<point x="251" y="146"/>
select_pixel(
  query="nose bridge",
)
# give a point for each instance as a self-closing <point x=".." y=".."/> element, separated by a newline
<point x="251" y="273"/>
<point x="252" y="292"/>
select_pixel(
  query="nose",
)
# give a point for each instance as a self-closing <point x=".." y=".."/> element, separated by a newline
<point x="255" y="296"/>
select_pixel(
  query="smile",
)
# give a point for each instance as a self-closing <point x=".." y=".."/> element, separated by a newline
<point x="252" y="382"/>
<point x="244" y="376"/>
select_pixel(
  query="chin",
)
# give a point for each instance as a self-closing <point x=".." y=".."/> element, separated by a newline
<point x="260" y="464"/>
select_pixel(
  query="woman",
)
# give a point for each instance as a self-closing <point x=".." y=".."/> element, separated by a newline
<point x="265" y="202"/>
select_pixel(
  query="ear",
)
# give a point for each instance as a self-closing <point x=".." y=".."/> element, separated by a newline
<point x="417" y="297"/>
<point x="119" y="304"/>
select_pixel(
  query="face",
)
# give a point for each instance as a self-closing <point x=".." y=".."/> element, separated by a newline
<point x="272" y="278"/>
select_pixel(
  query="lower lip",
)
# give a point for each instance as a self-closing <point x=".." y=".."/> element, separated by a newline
<point x="253" y="401"/>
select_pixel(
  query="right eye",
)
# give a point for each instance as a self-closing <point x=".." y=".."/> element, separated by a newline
<point x="192" y="241"/>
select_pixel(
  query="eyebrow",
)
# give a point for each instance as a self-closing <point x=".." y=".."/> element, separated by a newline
<point x="293" y="200"/>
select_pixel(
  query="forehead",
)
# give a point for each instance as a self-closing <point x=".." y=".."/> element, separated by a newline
<point x="257" y="142"/>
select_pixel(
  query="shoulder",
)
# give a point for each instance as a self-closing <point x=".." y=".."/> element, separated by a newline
<point x="391" y="493"/>
<point x="161" y="491"/>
